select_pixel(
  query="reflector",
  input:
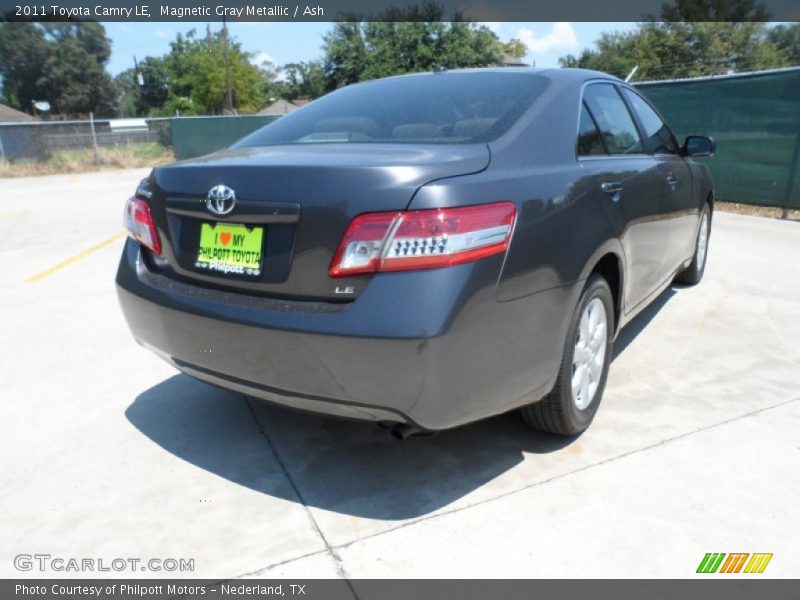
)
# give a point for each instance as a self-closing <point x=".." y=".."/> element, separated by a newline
<point x="423" y="239"/>
<point x="140" y="225"/>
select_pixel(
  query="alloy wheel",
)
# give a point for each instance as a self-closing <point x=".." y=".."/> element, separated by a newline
<point x="588" y="358"/>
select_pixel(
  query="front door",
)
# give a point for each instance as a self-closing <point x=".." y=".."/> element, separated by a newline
<point x="630" y="186"/>
<point x="673" y="179"/>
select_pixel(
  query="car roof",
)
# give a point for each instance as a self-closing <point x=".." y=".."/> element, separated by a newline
<point x="558" y="74"/>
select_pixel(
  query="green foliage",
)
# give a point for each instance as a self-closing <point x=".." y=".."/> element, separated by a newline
<point x="690" y="38"/>
<point x="786" y="39"/>
<point x="675" y="49"/>
<point x="387" y="45"/>
<point x="303" y="80"/>
<point x="195" y="69"/>
<point x="514" y="48"/>
<point x="62" y="63"/>
<point x="23" y="51"/>
<point x="144" y="89"/>
<point x="345" y="54"/>
<point x="713" y="10"/>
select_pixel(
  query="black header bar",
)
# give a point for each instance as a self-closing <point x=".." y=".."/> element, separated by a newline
<point x="366" y="10"/>
<point x="704" y="588"/>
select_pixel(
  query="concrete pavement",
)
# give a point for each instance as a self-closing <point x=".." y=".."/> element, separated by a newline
<point x="109" y="452"/>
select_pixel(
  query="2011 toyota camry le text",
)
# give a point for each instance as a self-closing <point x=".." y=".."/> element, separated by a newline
<point x="422" y="251"/>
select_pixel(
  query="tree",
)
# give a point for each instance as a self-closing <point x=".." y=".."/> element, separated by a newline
<point x="391" y="44"/>
<point x="514" y="48"/>
<point x="786" y="39"/>
<point x="153" y="80"/>
<point x="143" y="90"/>
<point x="23" y="51"/>
<point x="670" y="50"/>
<point x="303" y="80"/>
<point x="63" y="63"/>
<point x="195" y="69"/>
<point x="690" y="38"/>
<point x="127" y="85"/>
<point x="345" y="54"/>
<point x="714" y="10"/>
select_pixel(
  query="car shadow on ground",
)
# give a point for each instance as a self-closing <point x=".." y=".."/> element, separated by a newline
<point x="341" y="466"/>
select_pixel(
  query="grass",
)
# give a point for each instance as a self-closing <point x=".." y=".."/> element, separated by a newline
<point x="133" y="156"/>
<point x="773" y="212"/>
<point x="130" y="156"/>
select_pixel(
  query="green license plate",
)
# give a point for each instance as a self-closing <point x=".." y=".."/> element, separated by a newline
<point x="230" y="249"/>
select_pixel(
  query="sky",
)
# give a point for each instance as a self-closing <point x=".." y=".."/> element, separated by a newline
<point x="286" y="42"/>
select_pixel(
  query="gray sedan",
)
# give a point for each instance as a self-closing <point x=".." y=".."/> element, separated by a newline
<point x="422" y="251"/>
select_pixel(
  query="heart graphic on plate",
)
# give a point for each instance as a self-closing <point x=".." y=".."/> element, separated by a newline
<point x="225" y="238"/>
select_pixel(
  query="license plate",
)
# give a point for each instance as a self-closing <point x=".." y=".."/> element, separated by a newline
<point x="230" y="249"/>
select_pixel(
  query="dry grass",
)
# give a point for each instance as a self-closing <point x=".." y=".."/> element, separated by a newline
<point x="756" y="211"/>
<point x="130" y="156"/>
<point x="135" y="156"/>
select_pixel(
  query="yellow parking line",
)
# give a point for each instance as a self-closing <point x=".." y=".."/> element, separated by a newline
<point x="75" y="258"/>
<point x="12" y="215"/>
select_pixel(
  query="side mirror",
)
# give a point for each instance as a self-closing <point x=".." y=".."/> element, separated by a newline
<point x="699" y="145"/>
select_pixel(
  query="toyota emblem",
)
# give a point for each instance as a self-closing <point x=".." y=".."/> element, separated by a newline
<point x="220" y="200"/>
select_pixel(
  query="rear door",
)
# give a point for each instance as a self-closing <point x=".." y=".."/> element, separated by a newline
<point x="629" y="186"/>
<point x="675" y="180"/>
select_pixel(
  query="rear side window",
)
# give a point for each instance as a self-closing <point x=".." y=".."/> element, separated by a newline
<point x="446" y="108"/>
<point x="589" y="141"/>
<point x="612" y="116"/>
<point x="659" y="138"/>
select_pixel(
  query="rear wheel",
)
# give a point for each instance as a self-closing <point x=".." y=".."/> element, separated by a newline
<point x="571" y="406"/>
<point x="692" y="274"/>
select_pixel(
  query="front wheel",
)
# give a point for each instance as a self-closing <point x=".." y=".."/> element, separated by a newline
<point x="571" y="406"/>
<point x="692" y="274"/>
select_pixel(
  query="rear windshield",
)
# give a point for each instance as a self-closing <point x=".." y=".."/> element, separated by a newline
<point x="447" y="108"/>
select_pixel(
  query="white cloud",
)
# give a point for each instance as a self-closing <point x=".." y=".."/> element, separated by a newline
<point x="162" y="33"/>
<point x="492" y="25"/>
<point x="262" y="59"/>
<point x="560" y="37"/>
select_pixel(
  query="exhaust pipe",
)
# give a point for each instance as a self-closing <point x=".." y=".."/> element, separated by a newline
<point x="403" y="431"/>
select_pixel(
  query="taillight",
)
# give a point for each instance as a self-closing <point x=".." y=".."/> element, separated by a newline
<point x="423" y="239"/>
<point x="140" y="225"/>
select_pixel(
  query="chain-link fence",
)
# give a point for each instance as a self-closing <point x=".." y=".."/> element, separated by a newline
<point x="755" y="120"/>
<point x="187" y="136"/>
<point x="38" y="140"/>
<point x="754" y="117"/>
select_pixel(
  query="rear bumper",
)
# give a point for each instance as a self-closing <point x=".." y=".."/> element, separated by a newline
<point x="429" y="348"/>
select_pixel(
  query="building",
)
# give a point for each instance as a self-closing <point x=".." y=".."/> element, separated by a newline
<point x="510" y="61"/>
<point x="12" y="115"/>
<point x="283" y="107"/>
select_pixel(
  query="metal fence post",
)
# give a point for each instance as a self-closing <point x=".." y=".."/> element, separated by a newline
<point x="792" y="183"/>
<point x="94" y="140"/>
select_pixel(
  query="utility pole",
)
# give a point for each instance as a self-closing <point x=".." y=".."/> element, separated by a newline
<point x="229" y="82"/>
<point x="137" y="72"/>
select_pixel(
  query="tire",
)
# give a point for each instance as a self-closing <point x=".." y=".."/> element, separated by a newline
<point x="692" y="274"/>
<point x="563" y="412"/>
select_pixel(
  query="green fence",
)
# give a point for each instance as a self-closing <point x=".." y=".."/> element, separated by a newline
<point x="755" y="119"/>
<point x="196" y="136"/>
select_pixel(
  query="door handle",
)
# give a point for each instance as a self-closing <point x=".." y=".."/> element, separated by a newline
<point x="672" y="181"/>
<point x="612" y="188"/>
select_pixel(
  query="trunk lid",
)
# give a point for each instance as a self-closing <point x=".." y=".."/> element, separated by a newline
<point x="303" y="196"/>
